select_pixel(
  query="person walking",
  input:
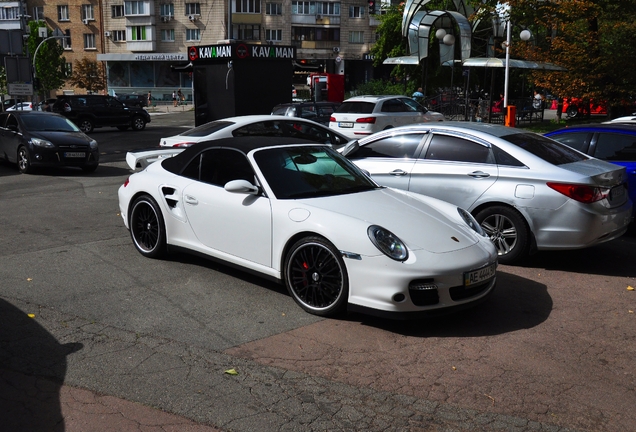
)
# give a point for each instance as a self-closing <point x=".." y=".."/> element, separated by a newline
<point x="180" y="97"/>
<point x="174" y="98"/>
<point x="149" y="98"/>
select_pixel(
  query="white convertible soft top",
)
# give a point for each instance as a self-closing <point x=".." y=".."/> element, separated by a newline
<point x="141" y="159"/>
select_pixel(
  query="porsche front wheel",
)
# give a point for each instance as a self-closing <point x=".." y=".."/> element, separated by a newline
<point x="316" y="276"/>
<point x="147" y="228"/>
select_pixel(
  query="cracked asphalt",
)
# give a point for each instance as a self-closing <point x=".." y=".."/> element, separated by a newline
<point x="96" y="338"/>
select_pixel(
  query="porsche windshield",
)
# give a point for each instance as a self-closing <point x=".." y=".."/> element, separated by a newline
<point x="310" y="172"/>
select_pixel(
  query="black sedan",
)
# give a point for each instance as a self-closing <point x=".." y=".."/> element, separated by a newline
<point x="37" y="138"/>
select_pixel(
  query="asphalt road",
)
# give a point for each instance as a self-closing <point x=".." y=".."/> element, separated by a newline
<point x="553" y="349"/>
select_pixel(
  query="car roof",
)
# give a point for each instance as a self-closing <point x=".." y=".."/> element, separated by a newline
<point x="373" y="98"/>
<point x="243" y="144"/>
<point x="35" y="113"/>
<point x="591" y="127"/>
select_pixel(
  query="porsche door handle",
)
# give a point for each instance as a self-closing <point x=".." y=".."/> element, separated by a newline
<point x="398" y="173"/>
<point x="478" y="174"/>
<point x="190" y="200"/>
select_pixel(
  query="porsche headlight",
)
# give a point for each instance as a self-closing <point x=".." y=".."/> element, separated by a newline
<point x="388" y="243"/>
<point x="42" y="143"/>
<point x="471" y="222"/>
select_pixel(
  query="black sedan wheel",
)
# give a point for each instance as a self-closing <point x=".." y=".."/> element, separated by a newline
<point x="316" y="277"/>
<point x="85" y="125"/>
<point x="507" y="230"/>
<point x="138" y="123"/>
<point x="24" y="161"/>
<point x="147" y="228"/>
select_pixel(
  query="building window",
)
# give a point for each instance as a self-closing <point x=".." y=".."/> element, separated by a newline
<point x="273" y="35"/>
<point x="137" y="33"/>
<point x="193" y="34"/>
<point x="316" y="34"/>
<point x="136" y="8"/>
<point x="303" y="8"/>
<point x="247" y="31"/>
<point x="167" y="10"/>
<point x="328" y="8"/>
<point x="356" y="11"/>
<point x="66" y="42"/>
<point x="68" y="69"/>
<point x="118" y="35"/>
<point x="167" y="35"/>
<point x="38" y="13"/>
<point x="62" y="13"/>
<point x="87" y="12"/>
<point x="273" y="8"/>
<point x="247" y="6"/>
<point x="117" y="11"/>
<point x="193" y="9"/>
<point x="89" y="41"/>
<point x="356" y="37"/>
<point x="9" y="13"/>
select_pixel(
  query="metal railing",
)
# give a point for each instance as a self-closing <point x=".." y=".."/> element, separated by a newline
<point x="458" y="107"/>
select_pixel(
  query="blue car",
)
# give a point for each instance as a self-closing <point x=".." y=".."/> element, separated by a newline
<point x="613" y="142"/>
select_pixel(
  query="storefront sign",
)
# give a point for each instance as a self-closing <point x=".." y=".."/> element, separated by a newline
<point x="241" y="51"/>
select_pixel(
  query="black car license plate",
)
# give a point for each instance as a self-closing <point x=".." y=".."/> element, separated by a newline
<point x="74" y="154"/>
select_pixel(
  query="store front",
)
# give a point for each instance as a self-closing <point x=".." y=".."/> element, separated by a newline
<point x="141" y="73"/>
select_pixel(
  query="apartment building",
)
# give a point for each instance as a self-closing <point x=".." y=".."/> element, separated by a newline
<point x="143" y="43"/>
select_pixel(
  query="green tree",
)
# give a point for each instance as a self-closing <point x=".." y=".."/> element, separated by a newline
<point x="49" y="62"/>
<point x="89" y="75"/>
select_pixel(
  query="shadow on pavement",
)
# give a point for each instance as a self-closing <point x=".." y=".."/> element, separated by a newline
<point x="32" y="370"/>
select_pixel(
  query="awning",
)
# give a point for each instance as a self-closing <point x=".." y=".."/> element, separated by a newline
<point x="495" y="62"/>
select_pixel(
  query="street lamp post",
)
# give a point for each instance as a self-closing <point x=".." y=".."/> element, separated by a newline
<point x="36" y="53"/>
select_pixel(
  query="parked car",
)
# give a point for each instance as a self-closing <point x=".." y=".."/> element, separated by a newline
<point x="95" y="111"/>
<point x="134" y="100"/>
<point x="21" y="106"/>
<point x="320" y="112"/>
<point x="8" y="103"/>
<point x="363" y="115"/>
<point x="613" y="142"/>
<point x="36" y="138"/>
<point x="303" y="215"/>
<point x="528" y="192"/>
<point x="256" y="125"/>
<point x="624" y="119"/>
<point x="45" y="105"/>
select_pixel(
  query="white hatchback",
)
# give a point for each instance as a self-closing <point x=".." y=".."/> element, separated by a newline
<point x="364" y="115"/>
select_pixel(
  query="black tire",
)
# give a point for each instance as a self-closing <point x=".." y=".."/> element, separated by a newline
<point x="572" y="111"/>
<point x="138" y="123"/>
<point x="24" y="160"/>
<point x="122" y="128"/>
<point x="316" y="277"/>
<point x="507" y="230"/>
<point x="86" y="125"/>
<point x="147" y="227"/>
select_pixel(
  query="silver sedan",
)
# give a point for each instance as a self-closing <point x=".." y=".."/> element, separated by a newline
<point x="528" y="192"/>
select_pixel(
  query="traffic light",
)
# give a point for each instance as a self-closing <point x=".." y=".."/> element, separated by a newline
<point x="371" y="7"/>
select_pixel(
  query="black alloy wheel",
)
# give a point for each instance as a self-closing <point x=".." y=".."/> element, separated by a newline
<point x="86" y="125"/>
<point x="147" y="227"/>
<point x="316" y="277"/>
<point x="507" y="230"/>
<point x="138" y="123"/>
<point x="24" y="160"/>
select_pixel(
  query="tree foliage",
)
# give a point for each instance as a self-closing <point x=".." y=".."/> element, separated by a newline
<point x="88" y="74"/>
<point x="49" y="62"/>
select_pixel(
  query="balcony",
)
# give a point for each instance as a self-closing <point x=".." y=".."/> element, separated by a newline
<point x="141" y="46"/>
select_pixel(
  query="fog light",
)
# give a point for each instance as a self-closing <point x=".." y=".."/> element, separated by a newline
<point x="399" y="298"/>
<point x="38" y="156"/>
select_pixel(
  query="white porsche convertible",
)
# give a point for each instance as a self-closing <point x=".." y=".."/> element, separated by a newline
<point x="302" y="214"/>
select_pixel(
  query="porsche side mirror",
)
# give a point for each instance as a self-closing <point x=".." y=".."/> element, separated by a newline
<point x="241" y="186"/>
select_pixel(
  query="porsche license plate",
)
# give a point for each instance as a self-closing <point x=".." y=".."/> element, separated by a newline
<point x="345" y="124"/>
<point x="74" y="154"/>
<point x="480" y="275"/>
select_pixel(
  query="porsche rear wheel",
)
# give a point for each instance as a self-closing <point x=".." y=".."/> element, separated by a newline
<point x="316" y="277"/>
<point x="147" y="228"/>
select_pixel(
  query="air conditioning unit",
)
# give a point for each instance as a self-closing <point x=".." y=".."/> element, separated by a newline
<point x="318" y="17"/>
<point x="85" y="21"/>
<point x="107" y="33"/>
<point x="192" y="17"/>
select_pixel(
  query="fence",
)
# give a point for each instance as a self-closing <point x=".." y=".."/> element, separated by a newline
<point x="458" y="107"/>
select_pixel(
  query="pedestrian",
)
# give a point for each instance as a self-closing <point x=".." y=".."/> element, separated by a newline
<point x="418" y="96"/>
<point x="180" y="97"/>
<point x="149" y="98"/>
<point x="537" y="101"/>
<point x="174" y="98"/>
